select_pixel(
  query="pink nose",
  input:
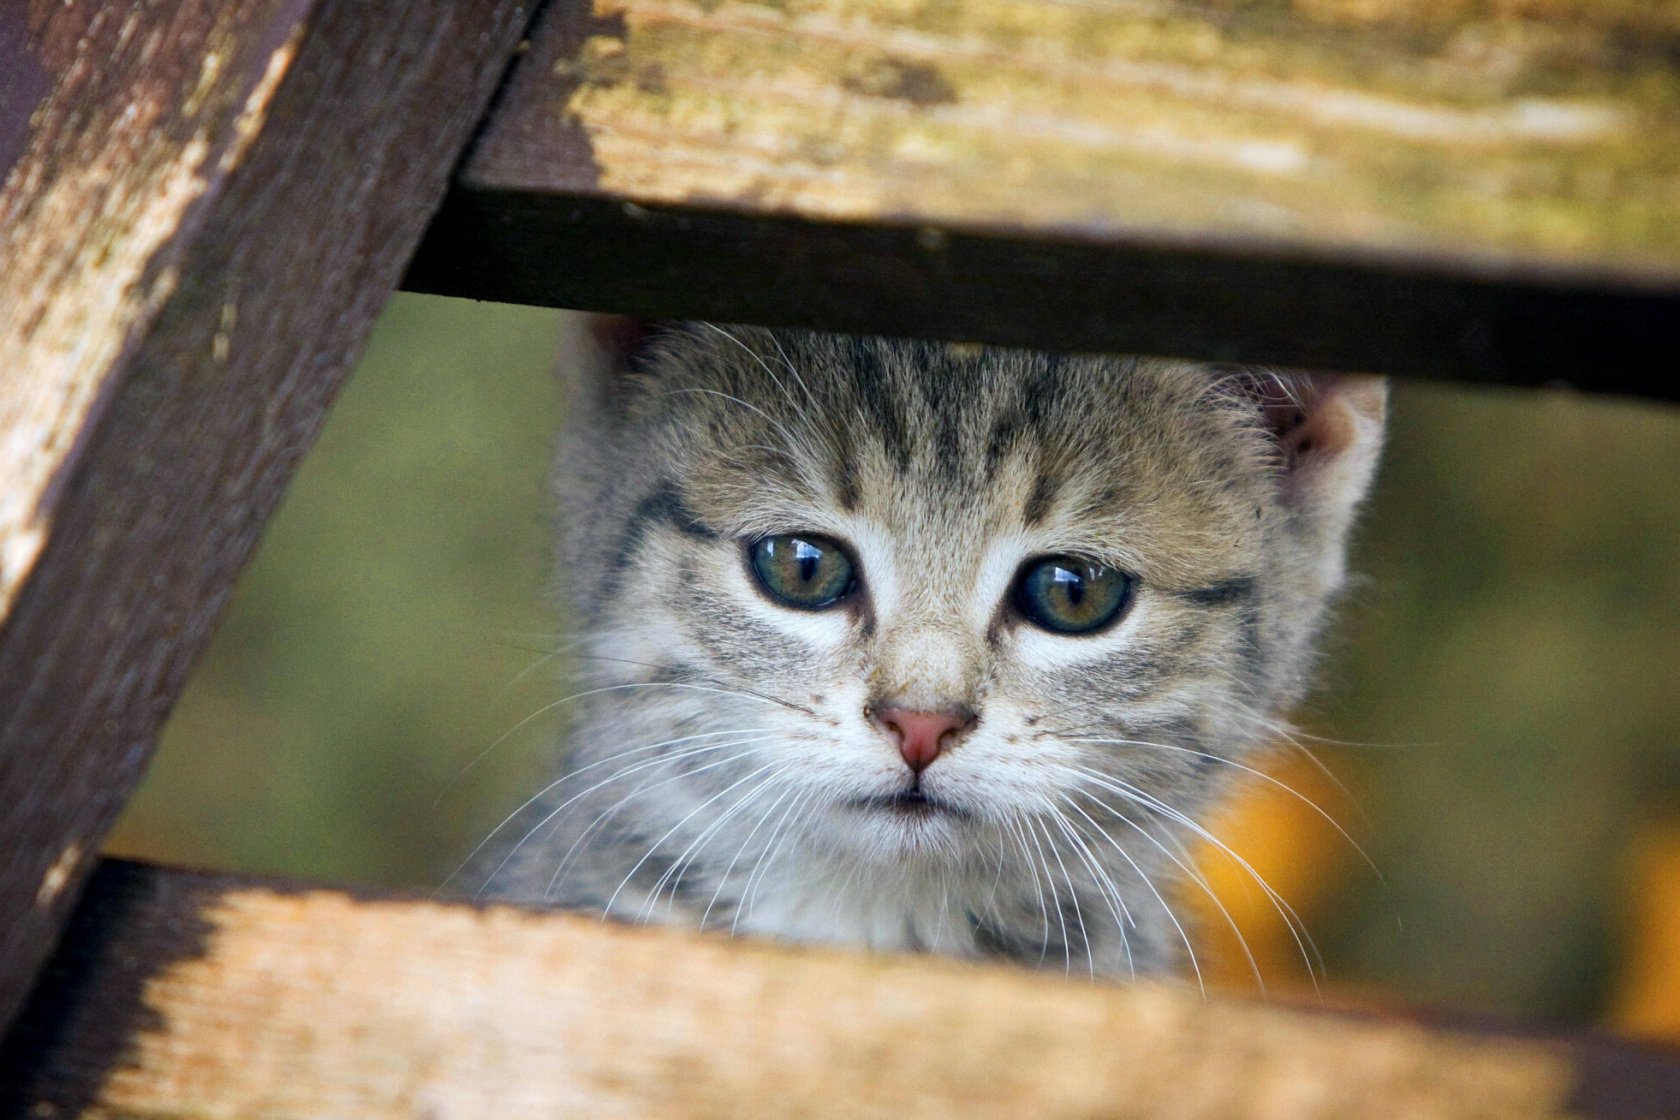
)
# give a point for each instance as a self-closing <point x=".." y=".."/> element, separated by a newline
<point x="922" y="735"/>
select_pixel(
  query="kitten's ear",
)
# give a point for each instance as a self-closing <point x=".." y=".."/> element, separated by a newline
<point x="619" y="338"/>
<point x="1327" y="429"/>
<point x="599" y="353"/>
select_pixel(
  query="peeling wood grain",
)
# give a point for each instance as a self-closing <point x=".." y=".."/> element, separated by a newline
<point x="1432" y="187"/>
<point x="183" y="995"/>
<point x="88" y="216"/>
<point x="1543" y="133"/>
<point x="205" y="202"/>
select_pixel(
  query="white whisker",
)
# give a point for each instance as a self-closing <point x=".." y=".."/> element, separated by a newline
<point x="1105" y="887"/>
<point x="564" y="778"/>
<point x="723" y="880"/>
<point x="1291" y="919"/>
<point x="1149" y="883"/>
<point x="673" y="830"/>
<point x="1034" y="828"/>
<point x="686" y="858"/>
<point x="1262" y="775"/>
<point x="744" y="907"/>
<point x="602" y="817"/>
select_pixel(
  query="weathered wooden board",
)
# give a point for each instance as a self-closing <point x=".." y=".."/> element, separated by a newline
<point x="1433" y="187"/>
<point x="183" y="995"/>
<point x="204" y="204"/>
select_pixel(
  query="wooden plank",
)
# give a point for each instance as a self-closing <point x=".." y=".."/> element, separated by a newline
<point x="207" y="201"/>
<point x="186" y="995"/>
<point x="1430" y="187"/>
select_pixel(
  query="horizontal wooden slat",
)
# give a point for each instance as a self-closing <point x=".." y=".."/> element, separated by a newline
<point x="187" y="995"/>
<point x="1433" y="187"/>
<point x="203" y="205"/>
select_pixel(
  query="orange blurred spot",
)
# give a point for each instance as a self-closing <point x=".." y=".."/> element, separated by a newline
<point x="1646" y="1002"/>
<point x="1290" y="845"/>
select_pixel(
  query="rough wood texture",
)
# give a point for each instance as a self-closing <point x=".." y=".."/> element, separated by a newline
<point x="182" y="995"/>
<point x="206" y="203"/>
<point x="1435" y="187"/>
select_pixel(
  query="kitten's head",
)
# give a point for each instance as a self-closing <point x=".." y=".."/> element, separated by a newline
<point x="934" y="591"/>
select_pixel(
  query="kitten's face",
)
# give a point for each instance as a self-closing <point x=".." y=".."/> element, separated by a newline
<point x="914" y="645"/>
<point x="1100" y="577"/>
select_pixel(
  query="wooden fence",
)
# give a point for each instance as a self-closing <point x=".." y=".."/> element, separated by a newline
<point x="206" y="202"/>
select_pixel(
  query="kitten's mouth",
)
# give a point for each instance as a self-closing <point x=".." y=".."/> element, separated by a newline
<point x="914" y="804"/>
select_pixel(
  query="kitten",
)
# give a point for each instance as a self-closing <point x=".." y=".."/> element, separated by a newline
<point x="913" y="645"/>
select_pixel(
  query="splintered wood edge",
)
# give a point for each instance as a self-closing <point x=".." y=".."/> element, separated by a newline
<point x="186" y="995"/>
<point x="1432" y="189"/>
<point x="204" y="205"/>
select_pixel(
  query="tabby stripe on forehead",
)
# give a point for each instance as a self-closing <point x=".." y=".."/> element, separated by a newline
<point x="665" y="505"/>
<point x="846" y="482"/>
<point x="1040" y="499"/>
<point x="1006" y="432"/>
<point x="662" y="506"/>
<point x="948" y="459"/>
<point x="878" y="402"/>
<point x="1224" y="593"/>
<point x="1040" y="386"/>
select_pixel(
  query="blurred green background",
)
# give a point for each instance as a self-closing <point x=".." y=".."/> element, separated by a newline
<point x="1506" y="657"/>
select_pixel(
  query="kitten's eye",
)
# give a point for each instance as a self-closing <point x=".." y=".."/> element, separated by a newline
<point x="1071" y="596"/>
<point x="807" y="572"/>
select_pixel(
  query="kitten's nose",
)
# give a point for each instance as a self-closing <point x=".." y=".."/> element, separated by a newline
<point x="922" y="735"/>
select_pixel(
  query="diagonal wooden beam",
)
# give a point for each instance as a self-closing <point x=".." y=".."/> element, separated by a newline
<point x="1451" y="189"/>
<point x="184" y="995"/>
<point x="205" y="204"/>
